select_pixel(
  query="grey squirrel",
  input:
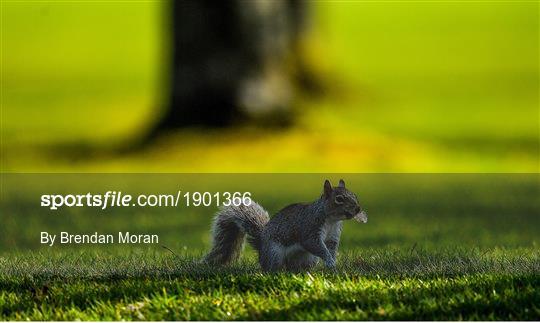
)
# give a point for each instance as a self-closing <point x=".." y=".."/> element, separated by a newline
<point x="293" y="239"/>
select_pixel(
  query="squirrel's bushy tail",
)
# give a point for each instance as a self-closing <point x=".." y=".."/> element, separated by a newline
<point x="230" y="226"/>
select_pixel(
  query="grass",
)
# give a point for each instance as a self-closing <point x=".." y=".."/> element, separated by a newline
<point x="447" y="247"/>
<point x="373" y="285"/>
<point x="409" y="87"/>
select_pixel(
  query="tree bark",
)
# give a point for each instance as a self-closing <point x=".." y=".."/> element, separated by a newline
<point x="230" y="61"/>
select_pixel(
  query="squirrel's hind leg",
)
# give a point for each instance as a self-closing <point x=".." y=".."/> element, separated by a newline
<point x="272" y="256"/>
<point x="301" y="261"/>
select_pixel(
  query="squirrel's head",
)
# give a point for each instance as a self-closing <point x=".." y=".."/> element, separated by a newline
<point x="341" y="204"/>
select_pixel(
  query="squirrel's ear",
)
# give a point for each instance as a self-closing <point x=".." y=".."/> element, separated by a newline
<point x="341" y="183"/>
<point x="327" y="188"/>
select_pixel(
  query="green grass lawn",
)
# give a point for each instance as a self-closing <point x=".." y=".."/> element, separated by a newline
<point x="408" y="86"/>
<point x="444" y="247"/>
<point x="375" y="285"/>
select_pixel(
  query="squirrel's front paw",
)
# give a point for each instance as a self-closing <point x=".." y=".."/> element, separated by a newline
<point x="330" y="264"/>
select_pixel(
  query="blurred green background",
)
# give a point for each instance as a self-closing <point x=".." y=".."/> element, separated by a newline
<point x="409" y="87"/>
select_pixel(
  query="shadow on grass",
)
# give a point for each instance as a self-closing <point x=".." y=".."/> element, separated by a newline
<point x="469" y="298"/>
<point x="135" y="276"/>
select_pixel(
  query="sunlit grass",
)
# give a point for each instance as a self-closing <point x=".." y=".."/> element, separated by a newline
<point x="372" y="285"/>
<point x="421" y="87"/>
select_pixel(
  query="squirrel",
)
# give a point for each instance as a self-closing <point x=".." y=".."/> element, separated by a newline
<point x="294" y="239"/>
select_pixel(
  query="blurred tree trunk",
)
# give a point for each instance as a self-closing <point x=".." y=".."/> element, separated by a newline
<point x="231" y="60"/>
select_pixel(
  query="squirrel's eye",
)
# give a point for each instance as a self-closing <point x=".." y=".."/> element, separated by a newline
<point x="339" y="199"/>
